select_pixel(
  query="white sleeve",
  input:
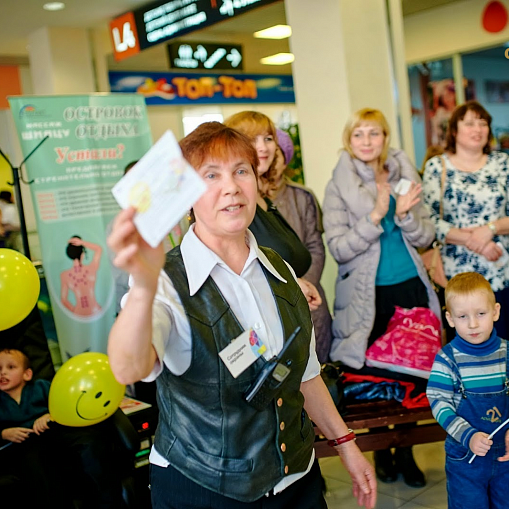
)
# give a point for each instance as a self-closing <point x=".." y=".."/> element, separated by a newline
<point x="313" y="368"/>
<point x="162" y="322"/>
<point x="171" y="331"/>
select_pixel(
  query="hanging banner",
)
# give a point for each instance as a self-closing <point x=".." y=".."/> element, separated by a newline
<point x="90" y="141"/>
<point x="166" y="88"/>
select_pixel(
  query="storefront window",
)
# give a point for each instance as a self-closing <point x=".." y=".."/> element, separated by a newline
<point x="433" y="98"/>
<point x="433" y="95"/>
<point x="488" y="70"/>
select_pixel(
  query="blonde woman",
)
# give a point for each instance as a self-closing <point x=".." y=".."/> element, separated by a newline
<point x="372" y="228"/>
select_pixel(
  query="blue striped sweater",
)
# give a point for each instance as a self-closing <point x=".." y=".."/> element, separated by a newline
<point x="483" y="370"/>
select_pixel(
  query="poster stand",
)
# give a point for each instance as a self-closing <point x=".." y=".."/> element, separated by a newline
<point x="17" y="176"/>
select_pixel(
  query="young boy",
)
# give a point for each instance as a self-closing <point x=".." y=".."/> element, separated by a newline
<point x="24" y="413"/>
<point x="19" y="419"/>
<point x="86" y="454"/>
<point x="468" y="391"/>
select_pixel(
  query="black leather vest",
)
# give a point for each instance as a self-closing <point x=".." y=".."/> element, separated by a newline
<point x="206" y="430"/>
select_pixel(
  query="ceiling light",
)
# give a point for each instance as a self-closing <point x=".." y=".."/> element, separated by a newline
<point x="275" y="32"/>
<point x="54" y="6"/>
<point x="278" y="59"/>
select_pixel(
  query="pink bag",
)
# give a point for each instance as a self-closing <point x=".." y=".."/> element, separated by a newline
<point x="412" y="340"/>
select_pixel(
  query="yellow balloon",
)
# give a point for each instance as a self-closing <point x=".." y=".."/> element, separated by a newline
<point x="84" y="391"/>
<point x="19" y="287"/>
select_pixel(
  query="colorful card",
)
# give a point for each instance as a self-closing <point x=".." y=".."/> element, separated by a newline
<point x="162" y="186"/>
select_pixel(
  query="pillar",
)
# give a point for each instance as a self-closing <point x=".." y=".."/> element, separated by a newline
<point x="61" y="61"/>
<point x="343" y="62"/>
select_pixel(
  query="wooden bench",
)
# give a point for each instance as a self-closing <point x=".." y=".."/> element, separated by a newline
<point x="365" y="418"/>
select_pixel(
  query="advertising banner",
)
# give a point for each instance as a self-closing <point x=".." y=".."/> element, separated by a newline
<point x="166" y="88"/>
<point x="90" y="141"/>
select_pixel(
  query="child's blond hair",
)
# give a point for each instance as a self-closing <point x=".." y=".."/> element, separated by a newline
<point x="468" y="283"/>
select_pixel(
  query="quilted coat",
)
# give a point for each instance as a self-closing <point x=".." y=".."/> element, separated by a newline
<point x="354" y="242"/>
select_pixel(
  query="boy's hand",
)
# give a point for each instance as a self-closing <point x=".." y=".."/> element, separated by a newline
<point x="480" y="444"/>
<point x="42" y="424"/>
<point x="505" y="457"/>
<point x="16" y="435"/>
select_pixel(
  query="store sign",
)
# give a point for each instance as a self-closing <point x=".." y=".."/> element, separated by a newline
<point x="198" y="55"/>
<point x="161" y="88"/>
<point x="124" y="37"/>
<point x="160" y="21"/>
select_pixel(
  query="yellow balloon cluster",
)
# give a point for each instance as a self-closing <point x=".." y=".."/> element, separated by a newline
<point x="84" y="391"/>
<point x="19" y="287"/>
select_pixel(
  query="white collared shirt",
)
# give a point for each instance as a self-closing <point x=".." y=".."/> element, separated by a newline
<point x="250" y="298"/>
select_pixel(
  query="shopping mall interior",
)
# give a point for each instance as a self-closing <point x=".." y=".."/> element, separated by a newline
<point x="415" y="60"/>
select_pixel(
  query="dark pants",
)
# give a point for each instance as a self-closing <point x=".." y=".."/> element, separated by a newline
<point x="92" y="462"/>
<point x="480" y="484"/>
<point x="172" y="490"/>
<point x="64" y="464"/>
<point x="32" y="470"/>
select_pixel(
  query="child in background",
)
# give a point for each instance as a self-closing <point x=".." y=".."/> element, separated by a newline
<point x="24" y="413"/>
<point x="468" y="391"/>
<point x="43" y="454"/>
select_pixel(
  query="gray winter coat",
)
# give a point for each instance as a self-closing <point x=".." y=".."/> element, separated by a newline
<point x="354" y="242"/>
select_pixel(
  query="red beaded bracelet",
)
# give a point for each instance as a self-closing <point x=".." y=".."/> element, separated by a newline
<point x="343" y="439"/>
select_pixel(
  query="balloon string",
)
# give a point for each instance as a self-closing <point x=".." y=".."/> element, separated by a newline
<point x="490" y="437"/>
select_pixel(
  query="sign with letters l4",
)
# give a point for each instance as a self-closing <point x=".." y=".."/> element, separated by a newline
<point x="124" y="36"/>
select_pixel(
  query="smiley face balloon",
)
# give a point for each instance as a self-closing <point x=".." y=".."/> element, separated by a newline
<point x="84" y="391"/>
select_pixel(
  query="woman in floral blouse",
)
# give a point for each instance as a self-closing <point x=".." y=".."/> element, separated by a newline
<point x="475" y="227"/>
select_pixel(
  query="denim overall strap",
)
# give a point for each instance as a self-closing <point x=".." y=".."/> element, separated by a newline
<point x="458" y="386"/>
<point x="506" y="384"/>
<point x="485" y="411"/>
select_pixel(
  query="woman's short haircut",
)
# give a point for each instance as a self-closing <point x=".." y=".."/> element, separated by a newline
<point x="367" y="116"/>
<point x="467" y="283"/>
<point x="72" y="251"/>
<point x="459" y="114"/>
<point x="216" y="141"/>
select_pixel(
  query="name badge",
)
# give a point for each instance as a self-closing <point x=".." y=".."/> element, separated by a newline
<point x="242" y="352"/>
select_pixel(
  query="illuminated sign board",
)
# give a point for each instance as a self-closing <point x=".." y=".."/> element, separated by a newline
<point x="197" y="55"/>
<point x="160" y="21"/>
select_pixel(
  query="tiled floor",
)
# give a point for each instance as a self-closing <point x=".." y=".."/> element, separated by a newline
<point x="429" y="457"/>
